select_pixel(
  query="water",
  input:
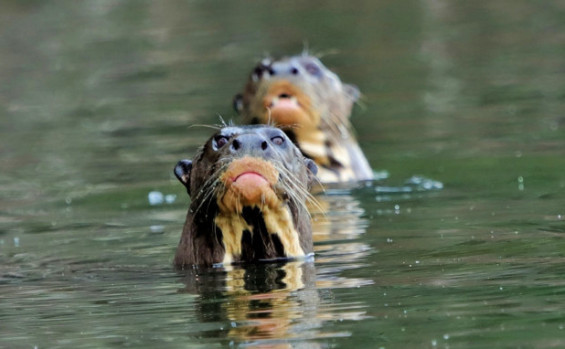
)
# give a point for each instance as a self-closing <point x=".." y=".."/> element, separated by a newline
<point x="460" y="244"/>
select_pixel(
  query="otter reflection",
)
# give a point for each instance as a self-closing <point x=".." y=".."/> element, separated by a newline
<point x="270" y="305"/>
<point x="264" y="305"/>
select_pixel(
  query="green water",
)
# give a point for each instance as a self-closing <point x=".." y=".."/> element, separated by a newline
<point x="96" y="103"/>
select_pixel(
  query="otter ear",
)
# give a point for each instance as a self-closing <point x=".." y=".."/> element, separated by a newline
<point x="311" y="165"/>
<point x="312" y="170"/>
<point x="182" y="172"/>
<point x="238" y="103"/>
<point x="352" y="91"/>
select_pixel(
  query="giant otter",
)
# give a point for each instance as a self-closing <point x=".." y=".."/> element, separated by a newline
<point x="312" y="105"/>
<point x="249" y="188"/>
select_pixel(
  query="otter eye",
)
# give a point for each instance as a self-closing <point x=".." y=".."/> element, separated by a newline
<point x="262" y="72"/>
<point x="221" y="141"/>
<point x="277" y="140"/>
<point x="312" y="69"/>
<point x="258" y="71"/>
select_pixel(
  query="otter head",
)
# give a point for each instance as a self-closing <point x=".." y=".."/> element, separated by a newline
<point x="295" y="92"/>
<point x="311" y="104"/>
<point x="248" y="186"/>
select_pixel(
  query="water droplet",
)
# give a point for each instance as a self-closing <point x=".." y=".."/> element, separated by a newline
<point x="520" y="183"/>
<point x="434" y="342"/>
<point x="17" y="242"/>
<point x="68" y="200"/>
<point x="170" y="198"/>
<point x="157" y="228"/>
<point x="155" y="198"/>
<point x="446" y="336"/>
<point x="380" y="175"/>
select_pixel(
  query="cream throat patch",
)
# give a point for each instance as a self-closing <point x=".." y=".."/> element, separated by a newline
<point x="278" y="223"/>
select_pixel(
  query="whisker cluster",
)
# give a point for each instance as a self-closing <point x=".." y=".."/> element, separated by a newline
<point x="210" y="188"/>
<point x="298" y="194"/>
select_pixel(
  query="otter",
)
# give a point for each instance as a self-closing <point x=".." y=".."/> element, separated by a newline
<point x="249" y="187"/>
<point x="311" y="104"/>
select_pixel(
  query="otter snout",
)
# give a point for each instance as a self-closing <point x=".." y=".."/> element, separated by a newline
<point x="256" y="145"/>
<point x="247" y="142"/>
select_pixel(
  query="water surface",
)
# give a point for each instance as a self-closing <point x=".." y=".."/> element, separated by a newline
<point x="460" y="244"/>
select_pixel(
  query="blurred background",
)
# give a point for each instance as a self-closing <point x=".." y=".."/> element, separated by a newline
<point x="97" y="100"/>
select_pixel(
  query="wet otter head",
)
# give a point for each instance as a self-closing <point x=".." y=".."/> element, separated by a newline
<point x="249" y="186"/>
<point x="311" y="104"/>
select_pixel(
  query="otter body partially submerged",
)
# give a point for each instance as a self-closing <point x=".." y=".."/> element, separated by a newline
<point x="311" y="104"/>
<point x="249" y="186"/>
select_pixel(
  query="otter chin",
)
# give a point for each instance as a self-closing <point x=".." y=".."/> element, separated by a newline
<point x="311" y="104"/>
<point x="249" y="188"/>
<point x="249" y="181"/>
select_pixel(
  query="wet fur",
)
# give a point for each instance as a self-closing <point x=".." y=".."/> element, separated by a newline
<point x="265" y="231"/>
<point x="326" y="135"/>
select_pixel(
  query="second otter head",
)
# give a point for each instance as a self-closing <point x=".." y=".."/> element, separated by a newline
<point x="297" y="91"/>
<point x="311" y="104"/>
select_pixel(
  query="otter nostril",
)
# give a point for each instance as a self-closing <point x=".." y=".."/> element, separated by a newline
<point x="264" y="145"/>
<point x="294" y="71"/>
<point x="236" y="144"/>
<point x="272" y="71"/>
<point x="284" y="95"/>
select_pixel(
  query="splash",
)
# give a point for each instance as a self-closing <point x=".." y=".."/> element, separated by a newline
<point x="413" y="184"/>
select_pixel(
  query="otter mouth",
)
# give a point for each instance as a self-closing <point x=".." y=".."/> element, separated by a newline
<point x="249" y="181"/>
<point x="286" y="104"/>
<point x="284" y="101"/>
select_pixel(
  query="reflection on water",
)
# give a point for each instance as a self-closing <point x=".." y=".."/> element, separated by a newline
<point x="463" y="99"/>
<point x="275" y="305"/>
<point x="267" y="305"/>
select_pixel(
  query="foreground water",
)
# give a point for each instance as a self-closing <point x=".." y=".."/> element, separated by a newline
<point x="459" y="244"/>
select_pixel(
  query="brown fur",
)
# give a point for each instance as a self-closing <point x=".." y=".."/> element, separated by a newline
<point x="262" y="217"/>
<point x="300" y="95"/>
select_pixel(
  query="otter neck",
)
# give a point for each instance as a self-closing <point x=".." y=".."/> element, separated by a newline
<point x="259" y="234"/>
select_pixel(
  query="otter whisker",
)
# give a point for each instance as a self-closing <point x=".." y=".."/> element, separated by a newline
<point x="275" y="204"/>
<point x="322" y="54"/>
<point x="305" y="194"/>
<point x="296" y="193"/>
<point x="214" y="127"/>
<point x="209" y="188"/>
